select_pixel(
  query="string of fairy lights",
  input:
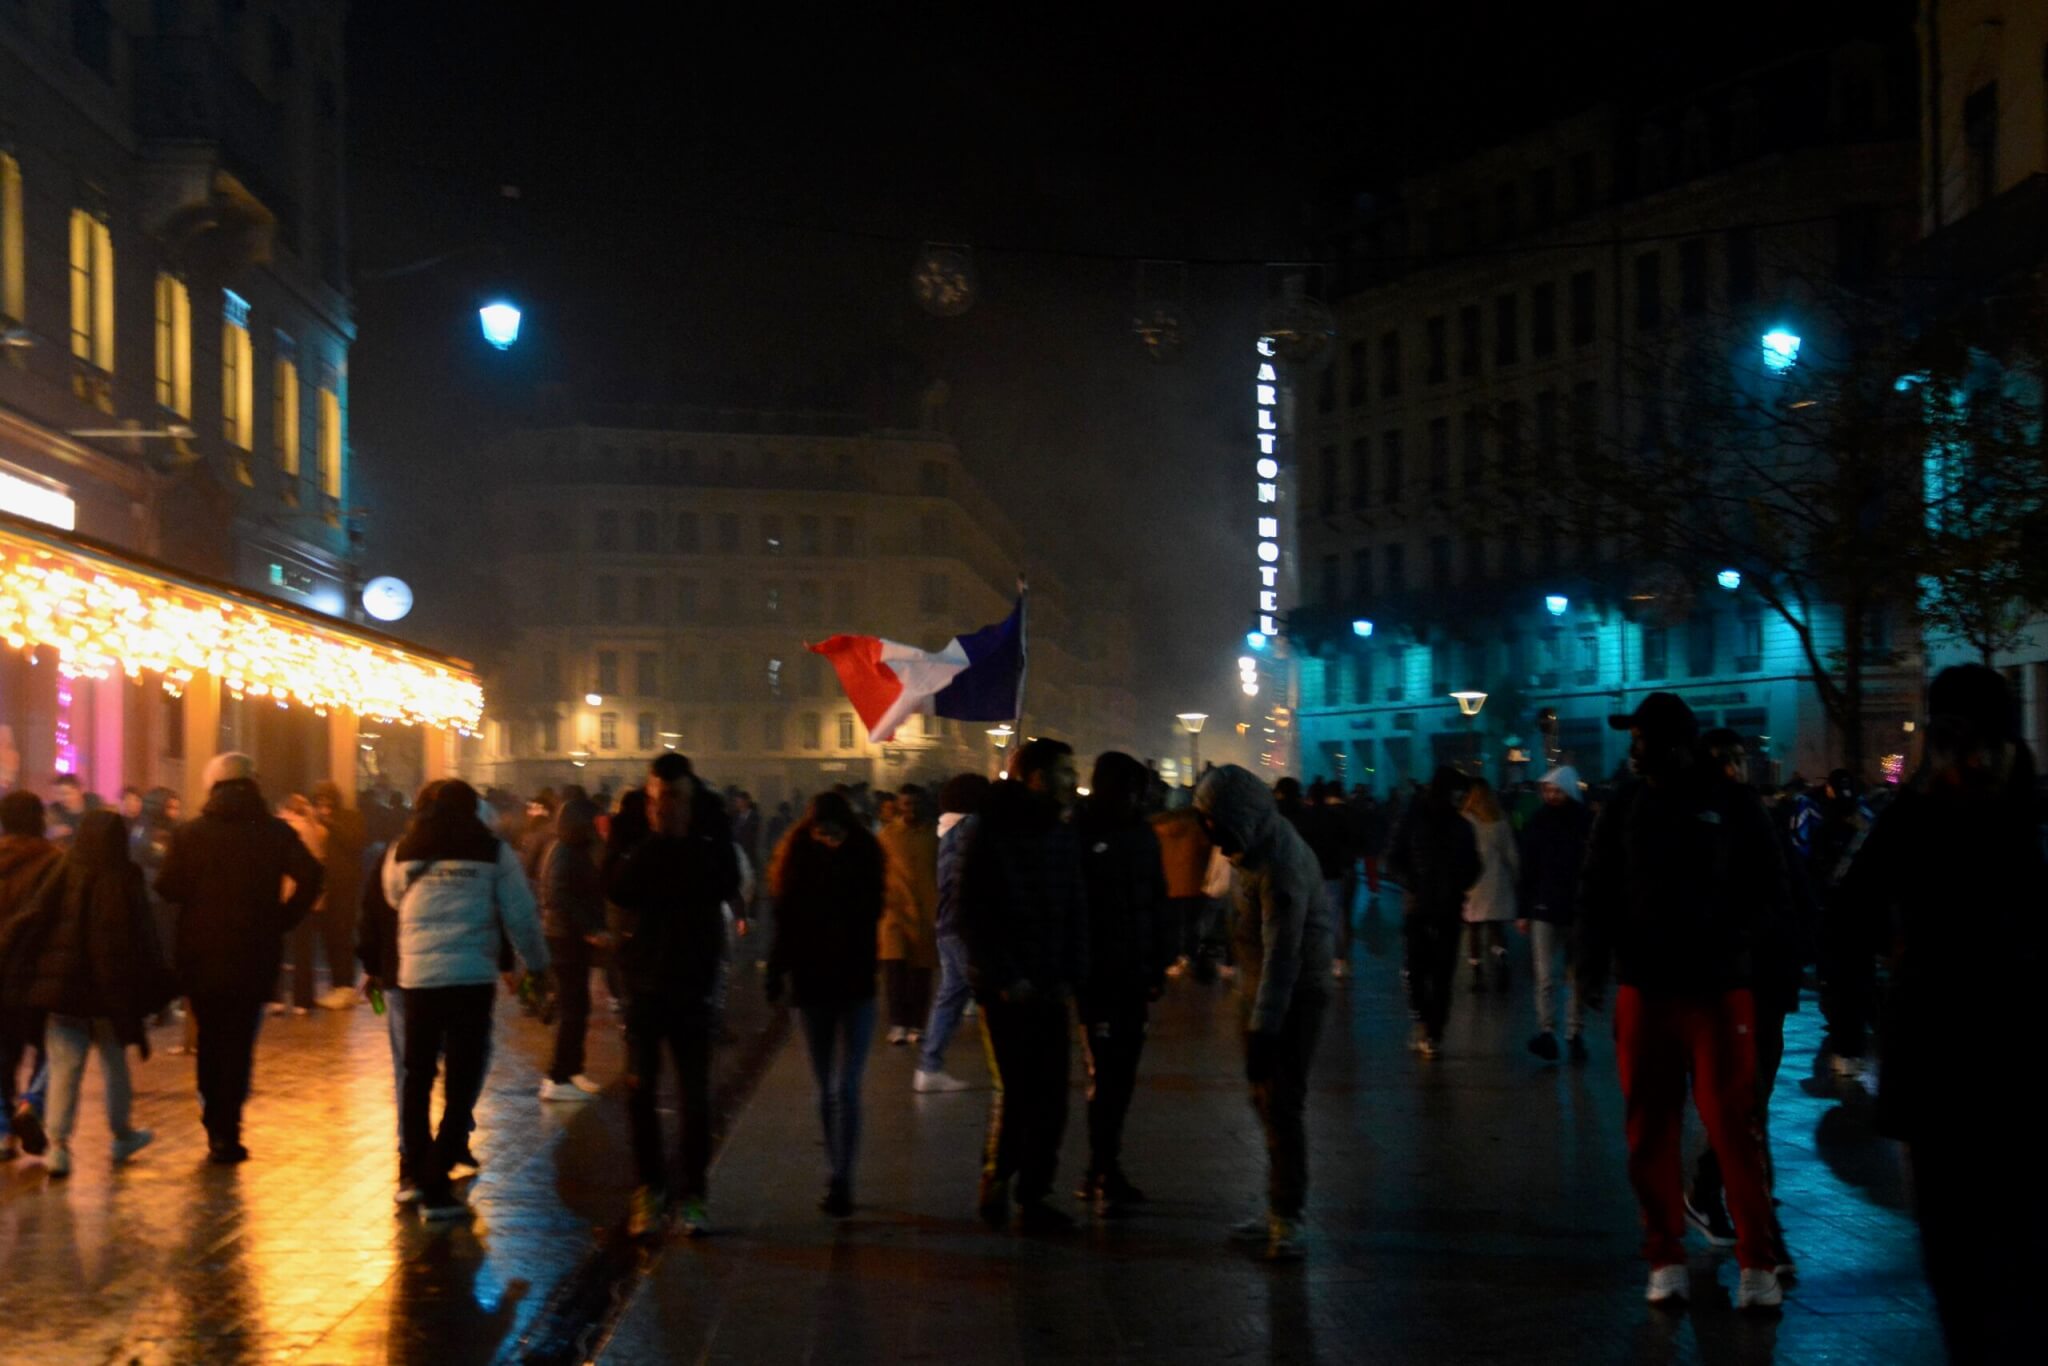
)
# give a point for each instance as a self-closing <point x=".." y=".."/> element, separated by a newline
<point x="102" y="619"/>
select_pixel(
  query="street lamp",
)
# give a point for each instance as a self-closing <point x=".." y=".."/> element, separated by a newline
<point x="500" y="319"/>
<point x="1193" y="721"/>
<point x="1781" y="350"/>
<point x="1469" y="701"/>
<point x="1362" y="629"/>
<point x="1730" y="579"/>
<point x="591" y="699"/>
<point x="1557" y="604"/>
<point x="1002" y="735"/>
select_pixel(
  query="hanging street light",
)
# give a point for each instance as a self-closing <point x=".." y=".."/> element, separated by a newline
<point x="500" y="319"/>
<point x="1469" y="701"/>
<point x="1192" y="722"/>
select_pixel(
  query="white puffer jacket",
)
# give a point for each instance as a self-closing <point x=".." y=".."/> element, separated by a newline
<point x="450" y="912"/>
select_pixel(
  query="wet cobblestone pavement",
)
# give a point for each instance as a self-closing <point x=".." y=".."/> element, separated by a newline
<point x="1469" y="1209"/>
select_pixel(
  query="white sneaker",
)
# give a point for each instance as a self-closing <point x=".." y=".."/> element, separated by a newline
<point x="587" y="1084"/>
<point x="1178" y="968"/>
<point x="137" y="1140"/>
<point x="898" y="1034"/>
<point x="551" y="1089"/>
<point x="914" y="1036"/>
<point x="970" y="1011"/>
<point x="1669" y="1284"/>
<point x="1759" y="1289"/>
<point x="925" y="1083"/>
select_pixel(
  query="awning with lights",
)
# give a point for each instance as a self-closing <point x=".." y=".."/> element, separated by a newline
<point x="104" y="612"/>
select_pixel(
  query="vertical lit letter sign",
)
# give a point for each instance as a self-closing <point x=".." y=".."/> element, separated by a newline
<point x="1267" y="393"/>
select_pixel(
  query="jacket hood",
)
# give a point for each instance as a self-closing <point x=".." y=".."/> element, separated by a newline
<point x="18" y="851"/>
<point x="237" y="799"/>
<point x="1241" y="806"/>
<point x="1566" y="777"/>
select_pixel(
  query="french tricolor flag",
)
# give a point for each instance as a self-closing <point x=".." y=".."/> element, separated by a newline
<point x="978" y="677"/>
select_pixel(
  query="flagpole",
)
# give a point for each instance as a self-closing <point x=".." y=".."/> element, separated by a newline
<point x="1023" y="649"/>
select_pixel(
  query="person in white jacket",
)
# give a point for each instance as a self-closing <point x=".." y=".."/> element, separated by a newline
<point x="460" y="892"/>
<point x="1490" y="904"/>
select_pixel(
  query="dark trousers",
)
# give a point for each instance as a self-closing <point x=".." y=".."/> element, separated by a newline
<point x="686" y="1027"/>
<point x="1770" y="1052"/>
<point x="1432" y="943"/>
<point x="338" y="935"/>
<point x="299" y="943"/>
<point x="1282" y="1103"/>
<point x="451" y="1023"/>
<point x="909" y="989"/>
<point x="1980" y="1216"/>
<point x="1113" y="1038"/>
<point x="1027" y="1043"/>
<point x="571" y="955"/>
<point x="227" y="1055"/>
<point x="20" y="1032"/>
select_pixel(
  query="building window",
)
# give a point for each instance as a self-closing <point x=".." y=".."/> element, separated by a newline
<point x="1361" y="573"/>
<point x="1542" y="198"/>
<point x="1507" y="329"/>
<point x="1543" y="320"/>
<point x="1692" y="276"/>
<point x="12" y="251"/>
<point x="846" y="730"/>
<point x="845" y="536"/>
<point x="1393" y="467"/>
<point x="1474" y="442"/>
<point x="689" y="533"/>
<point x="608" y="730"/>
<point x="729" y="732"/>
<point x="771" y="732"/>
<point x="728" y="533"/>
<point x="1699" y="645"/>
<point x="646" y="530"/>
<point x="1361" y="472"/>
<point x="1649" y="291"/>
<point x="1509" y="419"/>
<point x="1656" y="652"/>
<point x="771" y="535"/>
<point x="810" y="601"/>
<point x="1585" y="194"/>
<point x="92" y="291"/>
<point x="1355" y="377"/>
<point x="1585" y="326"/>
<point x="237" y="373"/>
<point x="933" y="594"/>
<point x="1361" y="679"/>
<point x="550" y="673"/>
<point x="607" y="605"/>
<point x="1980" y="146"/>
<point x="775" y="679"/>
<point x="1507" y="209"/>
<point x="608" y="672"/>
<point x="1333" y="682"/>
<point x="1750" y="628"/>
<point x="1390" y="365"/>
<point x="644" y="610"/>
<point x="810" y="733"/>
<point x="686" y="600"/>
<point x="845" y="600"/>
<point x="1585" y="421"/>
<point x="605" y="531"/>
<point x="1439" y="473"/>
<point x="330" y="443"/>
<point x="284" y="407"/>
<point x="1397" y="675"/>
<point x="811" y="676"/>
<point x="1333" y="580"/>
<point x="1396" y="576"/>
<point x="1468" y="341"/>
<point x="645" y="730"/>
<point x="1326" y="388"/>
<point x="810" y="536"/>
<point x="1440" y="561"/>
<point x="1546" y="431"/>
<point x="1475" y="559"/>
<point x="771" y="599"/>
<point x="173" y="345"/>
<point x="931" y="533"/>
<point x="1741" y="265"/>
<point x="1437" y="334"/>
<point x="550" y="734"/>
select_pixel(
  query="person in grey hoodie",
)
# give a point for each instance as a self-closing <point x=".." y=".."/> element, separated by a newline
<point x="1282" y="930"/>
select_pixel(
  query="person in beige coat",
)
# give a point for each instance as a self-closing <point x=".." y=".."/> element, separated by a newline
<point x="1490" y="903"/>
<point x="908" y="941"/>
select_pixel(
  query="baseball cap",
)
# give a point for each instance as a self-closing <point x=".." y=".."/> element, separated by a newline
<point x="1661" y="713"/>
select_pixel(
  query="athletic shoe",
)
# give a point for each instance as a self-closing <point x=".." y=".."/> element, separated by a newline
<point x="898" y="1034"/>
<point x="59" y="1161"/>
<point x="1115" y="1195"/>
<point x="696" y="1218"/>
<point x="408" y="1194"/>
<point x="914" y="1036"/>
<point x="928" y="1083"/>
<point x="1284" y="1241"/>
<point x="993" y="1202"/>
<point x="1257" y="1229"/>
<point x="341" y="998"/>
<point x="28" y="1127"/>
<point x="1669" y="1284"/>
<point x="135" y="1142"/>
<point x="1178" y="968"/>
<point x="443" y="1207"/>
<point x="838" y="1201"/>
<point x="1577" y="1046"/>
<point x="643" y="1218"/>
<point x="1544" y="1046"/>
<point x="587" y="1084"/>
<point x="1712" y="1222"/>
<point x="226" y="1154"/>
<point x="551" y="1089"/>
<point x="1339" y="969"/>
<point x="1036" y="1216"/>
<point x="301" y="1012"/>
<point x="970" y="1011"/>
<point x="277" y="1008"/>
<point x="465" y="1165"/>
<point x="1429" y="1047"/>
<point x="1759" y="1289"/>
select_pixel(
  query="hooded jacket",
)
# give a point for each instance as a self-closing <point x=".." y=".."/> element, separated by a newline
<point x="457" y="888"/>
<point x="1023" y="912"/>
<point x="226" y="872"/>
<point x="25" y="860"/>
<point x="1553" y="852"/>
<point x="1435" y="858"/>
<point x="571" y="874"/>
<point x="1283" y="927"/>
<point x="1131" y="928"/>
<point x="670" y="891"/>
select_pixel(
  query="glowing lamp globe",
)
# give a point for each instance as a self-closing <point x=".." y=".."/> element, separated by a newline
<point x="1255" y="639"/>
<point x="386" y="598"/>
<point x="1557" y="604"/>
<point x="1781" y="350"/>
<point x="500" y="321"/>
<point x="1361" y="628"/>
<point x="1730" y="579"/>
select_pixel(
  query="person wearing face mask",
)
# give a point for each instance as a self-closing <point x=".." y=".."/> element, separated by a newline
<point x="1951" y="875"/>
<point x="1282" y="927"/>
<point x="1684" y="884"/>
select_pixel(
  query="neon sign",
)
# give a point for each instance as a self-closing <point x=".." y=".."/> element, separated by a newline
<point x="1266" y="395"/>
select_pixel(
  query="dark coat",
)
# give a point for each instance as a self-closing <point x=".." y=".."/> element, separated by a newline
<point x="670" y="894"/>
<point x="1132" y="932"/>
<point x="346" y="838"/>
<point x="377" y="928"/>
<point x="1435" y="858"/>
<point x="25" y="860"/>
<point x="1023" y="911"/>
<point x="1553" y="853"/>
<point x="225" y="872"/>
<point x="828" y="905"/>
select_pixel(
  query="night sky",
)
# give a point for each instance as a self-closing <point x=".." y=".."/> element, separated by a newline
<point x="729" y="216"/>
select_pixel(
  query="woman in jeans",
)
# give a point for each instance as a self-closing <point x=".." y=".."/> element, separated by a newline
<point x="827" y="881"/>
<point x="87" y="954"/>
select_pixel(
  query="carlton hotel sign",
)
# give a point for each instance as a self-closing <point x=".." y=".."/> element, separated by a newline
<point x="1267" y="393"/>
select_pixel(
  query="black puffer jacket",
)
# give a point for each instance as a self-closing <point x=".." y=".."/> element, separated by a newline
<point x="828" y="907"/>
<point x="1553" y="853"/>
<point x="1131" y="936"/>
<point x="1435" y="858"/>
<point x="670" y="892"/>
<point x="225" y="872"/>
<point x="1023" y="912"/>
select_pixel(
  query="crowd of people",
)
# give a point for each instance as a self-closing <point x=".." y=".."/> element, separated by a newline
<point x="1700" y="905"/>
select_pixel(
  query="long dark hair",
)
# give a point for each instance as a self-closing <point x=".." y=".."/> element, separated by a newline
<point x="799" y="855"/>
<point x="447" y="824"/>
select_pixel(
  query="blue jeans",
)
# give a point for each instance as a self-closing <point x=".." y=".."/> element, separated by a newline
<point x="394" y="1022"/>
<point x="838" y="1037"/>
<point x="947" y="1003"/>
<point x="67" y="1040"/>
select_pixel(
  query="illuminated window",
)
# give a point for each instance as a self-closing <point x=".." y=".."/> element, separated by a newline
<point x="846" y="730"/>
<point x="11" y="303"/>
<point x="284" y="408"/>
<point x="330" y="442"/>
<point x="173" y="345"/>
<point x="92" y="290"/>
<point x="237" y="373"/>
<point x="608" y="730"/>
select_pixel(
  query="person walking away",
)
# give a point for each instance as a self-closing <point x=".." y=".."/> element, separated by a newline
<point x="622" y="831"/>
<point x="1953" y="871"/>
<point x="459" y="892"/>
<point x="1131" y="939"/>
<point x="960" y="798"/>
<point x="1281" y="925"/>
<point x="828" y="882"/>
<point x="1185" y="854"/>
<point x="377" y="951"/>
<point x="1683" y="881"/>
<point x="1490" y="903"/>
<point x="669" y="890"/>
<point x="1024" y="918"/>
<point x="343" y="838"/>
<point x="1435" y="858"/>
<point x="1553" y="849"/>
<point x="572" y="916"/>
<point x="909" y="932"/>
<point x="297" y="812"/>
<point x="1374" y="827"/>
<point x="86" y="956"/>
<point x="26" y="860"/>
<point x="241" y="879"/>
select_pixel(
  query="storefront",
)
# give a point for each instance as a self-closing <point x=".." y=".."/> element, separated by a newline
<point x="124" y="672"/>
